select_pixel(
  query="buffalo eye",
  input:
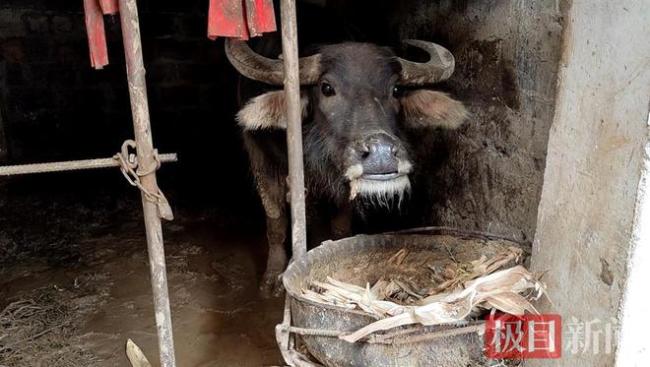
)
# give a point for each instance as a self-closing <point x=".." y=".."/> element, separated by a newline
<point x="327" y="90"/>
<point x="397" y="92"/>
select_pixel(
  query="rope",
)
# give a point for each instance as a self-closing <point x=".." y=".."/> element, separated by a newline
<point x="395" y="338"/>
<point x="132" y="171"/>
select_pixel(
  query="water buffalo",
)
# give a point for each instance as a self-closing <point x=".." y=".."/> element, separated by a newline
<point x="358" y="101"/>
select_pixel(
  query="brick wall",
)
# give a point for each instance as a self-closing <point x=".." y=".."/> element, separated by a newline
<point x="54" y="100"/>
<point x="56" y="107"/>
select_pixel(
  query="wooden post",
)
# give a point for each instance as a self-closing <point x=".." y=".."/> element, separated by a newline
<point x="3" y="145"/>
<point x="3" y="138"/>
<point x="147" y="163"/>
<point x="294" y="127"/>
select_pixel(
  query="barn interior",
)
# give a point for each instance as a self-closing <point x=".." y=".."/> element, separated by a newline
<point x="74" y="281"/>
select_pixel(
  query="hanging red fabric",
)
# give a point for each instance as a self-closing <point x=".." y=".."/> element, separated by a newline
<point x="94" y="11"/>
<point x="226" y="18"/>
<point x="109" y="7"/>
<point x="240" y="18"/>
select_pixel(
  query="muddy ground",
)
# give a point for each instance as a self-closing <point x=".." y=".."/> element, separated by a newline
<point x="74" y="284"/>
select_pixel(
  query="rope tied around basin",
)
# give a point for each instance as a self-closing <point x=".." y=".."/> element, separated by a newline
<point x="399" y="337"/>
<point x="132" y="171"/>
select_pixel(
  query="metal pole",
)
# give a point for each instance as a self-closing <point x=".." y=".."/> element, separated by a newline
<point x="294" y="127"/>
<point x="144" y="146"/>
<point x="23" y="169"/>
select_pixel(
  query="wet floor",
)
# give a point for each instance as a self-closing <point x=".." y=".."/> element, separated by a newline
<point x="219" y="318"/>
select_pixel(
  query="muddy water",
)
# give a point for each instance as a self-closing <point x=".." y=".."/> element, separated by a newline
<point x="219" y="318"/>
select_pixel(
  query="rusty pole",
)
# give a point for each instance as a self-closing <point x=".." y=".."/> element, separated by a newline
<point x="294" y="127"/>
<point x="146" y="160"/>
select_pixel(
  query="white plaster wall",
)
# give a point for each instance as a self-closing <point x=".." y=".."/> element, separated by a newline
<point x="634" y="348"/>
<point x="586" y="219"/>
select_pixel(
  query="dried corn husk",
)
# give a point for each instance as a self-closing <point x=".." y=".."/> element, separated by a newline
<point x="449" y="278"/>
<point x="459" y="291"/>
<point x="453" y="275"/>
<point x="135" y="355"/>
<point x="501" y="290"/>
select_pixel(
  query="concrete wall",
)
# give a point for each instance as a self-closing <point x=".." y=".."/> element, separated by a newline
<point x="488" y="175"/>
<point x="633" y="343"/>
<point x="586" y="218"/>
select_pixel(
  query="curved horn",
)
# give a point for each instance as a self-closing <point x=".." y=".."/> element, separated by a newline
<point x="439" y="67"/>
<point x="257" y="67"/>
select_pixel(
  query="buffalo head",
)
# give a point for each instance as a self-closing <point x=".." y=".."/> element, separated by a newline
<point x="358" y="100"/>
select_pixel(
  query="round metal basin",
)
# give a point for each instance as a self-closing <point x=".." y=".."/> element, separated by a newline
<point x="365" y="259"/>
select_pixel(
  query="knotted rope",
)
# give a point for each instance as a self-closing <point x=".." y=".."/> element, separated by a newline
<point x="132" y="171"/>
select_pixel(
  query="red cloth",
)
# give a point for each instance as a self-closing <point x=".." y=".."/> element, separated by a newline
<point x="109" y="6"/>
<point x="94" y="11"/>
<point x="226" y="18"/>
<point x="96" y="34"/>
<point x="240" y="18"/>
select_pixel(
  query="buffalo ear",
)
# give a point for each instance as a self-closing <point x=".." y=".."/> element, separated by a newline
<point x="430" y="109"/>
<point x="267" y="111"/>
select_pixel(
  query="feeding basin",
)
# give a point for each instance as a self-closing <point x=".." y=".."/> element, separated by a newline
<point x="364" y="260"/>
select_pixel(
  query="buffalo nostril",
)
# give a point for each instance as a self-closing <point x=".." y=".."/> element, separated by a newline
<point x="364" y="151"/>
